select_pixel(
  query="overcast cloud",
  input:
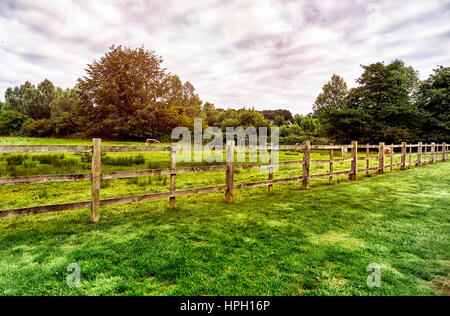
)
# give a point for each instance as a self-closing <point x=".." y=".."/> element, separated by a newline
<point x="261" y="53"/>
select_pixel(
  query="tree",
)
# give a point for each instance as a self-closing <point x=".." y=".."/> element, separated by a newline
<point x="253" y="118"/>
<point x="183" y="95"/>
<point x="332" y="96"/>
<point x="132" y="95"/>
<point x="11" y="122"/>
<point x="307" y="123"/>
<point x="433" y="102"/>
<point x="120" y="84"/>
<point x="38" y="100"/>
<point x="380" y="108"/>
<point x="15" y="98"/>
<point x="31" y="101"/>
<point x="271" y="114"/>
<point x="279" y="120"/>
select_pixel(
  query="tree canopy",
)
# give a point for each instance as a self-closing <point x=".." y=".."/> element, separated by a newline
<point x="128" y="94"/>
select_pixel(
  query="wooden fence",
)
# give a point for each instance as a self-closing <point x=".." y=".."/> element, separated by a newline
<point x="384" y="151"/>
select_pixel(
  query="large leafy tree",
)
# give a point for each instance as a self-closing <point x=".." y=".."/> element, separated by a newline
<point x="271" y="114"/>
<point x="433" y="101"/>
<point x="120" y="84"/>
<point x="134" y="97"/>
<point x="380" y="108"/>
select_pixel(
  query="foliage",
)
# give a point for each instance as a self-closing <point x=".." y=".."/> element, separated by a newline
<point x="11" y="122"/>
<point x="39" y="128"/>
<point x="133" y="95"/>
<point x="380" y="108"/>
<point x="127" y="94"/>
<point x="332" y="96"/>
<point x="270" y="115"/>
<point x="433" y="101"/>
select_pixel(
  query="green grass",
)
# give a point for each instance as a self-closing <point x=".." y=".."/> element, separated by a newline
<point x="290" y="242"/>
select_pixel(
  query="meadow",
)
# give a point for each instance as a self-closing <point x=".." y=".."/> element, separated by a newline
<point x="289" y="242"/>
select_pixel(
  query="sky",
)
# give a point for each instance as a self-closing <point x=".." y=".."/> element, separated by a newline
<point x="266" y="54"/>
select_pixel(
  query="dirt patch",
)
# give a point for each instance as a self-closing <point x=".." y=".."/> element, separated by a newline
<point x="441" y="284"/>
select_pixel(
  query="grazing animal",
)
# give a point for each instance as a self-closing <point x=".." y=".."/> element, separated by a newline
<point x="388" y="151"/>
<point x="152" y="141"/>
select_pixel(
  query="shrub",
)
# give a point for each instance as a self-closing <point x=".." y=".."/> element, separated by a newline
<point x="39" y="128"/>
<point x="11" y="122"/>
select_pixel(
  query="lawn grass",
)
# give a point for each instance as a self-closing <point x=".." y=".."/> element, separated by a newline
<point x="290" y="242"/>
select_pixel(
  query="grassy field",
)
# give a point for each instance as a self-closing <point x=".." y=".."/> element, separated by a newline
<point x="291" y="242"/>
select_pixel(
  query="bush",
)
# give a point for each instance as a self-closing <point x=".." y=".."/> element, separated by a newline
<point x="11" y="122"/>
<point x="39" y="128"/>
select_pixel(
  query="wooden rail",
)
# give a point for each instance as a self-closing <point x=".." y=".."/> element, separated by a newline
<point x="436" y="152"/>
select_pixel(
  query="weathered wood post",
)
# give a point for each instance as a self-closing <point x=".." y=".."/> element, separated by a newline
<point x="367" y="159"/>
<point x="331" y="164"/>
<point x="381" y="158"/>
<point x="230" y="172"/>
<point x="392" y="157"/>
<point x="403" y="156"/>
<point x="173" y="175"/>
<point x="96" y="178"/>
<point x="433" y="151"/>
<point x="419" y="155"/>
<point x="354" y="175"/>
<point x="410" y="156"/>
<point x="270" y="187"/>
<point x="444" y="151"/>
<point x="306" y="165"/>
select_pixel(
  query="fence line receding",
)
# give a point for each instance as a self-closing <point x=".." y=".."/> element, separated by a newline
<point x="436" y="152"/>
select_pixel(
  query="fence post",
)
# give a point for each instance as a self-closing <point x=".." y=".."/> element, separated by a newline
<point x="444" y="151"/>
<point x="270" y="187"/>
<point x="367" y="160"/>
<point x="353" y="176"/>
<point x="173" y="175"/>
<point x="392" y="157"/>
<point x="433" y="150"/>
<point x="403" y="156"/>
<point x="410" y="156"/>
<point x="331" y="164"/>
<point x="419" y="154"/>
<point x="230" y="172"/>
<point x="381" y="158"/>
<point x="306" y="165"/>
<point x="96" y="178"/>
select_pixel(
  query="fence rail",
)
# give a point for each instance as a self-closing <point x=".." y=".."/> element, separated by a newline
<point x="384" y="151"/>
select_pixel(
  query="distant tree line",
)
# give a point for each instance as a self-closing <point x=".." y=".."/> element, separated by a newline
<point x="127" y="95"/>
<point x="390" y="104"/>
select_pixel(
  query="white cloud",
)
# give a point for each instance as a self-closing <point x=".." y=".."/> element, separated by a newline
<point x="264" y="53"/>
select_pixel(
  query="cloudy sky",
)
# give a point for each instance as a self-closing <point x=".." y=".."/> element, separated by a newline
<point x="261" y="53"/>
